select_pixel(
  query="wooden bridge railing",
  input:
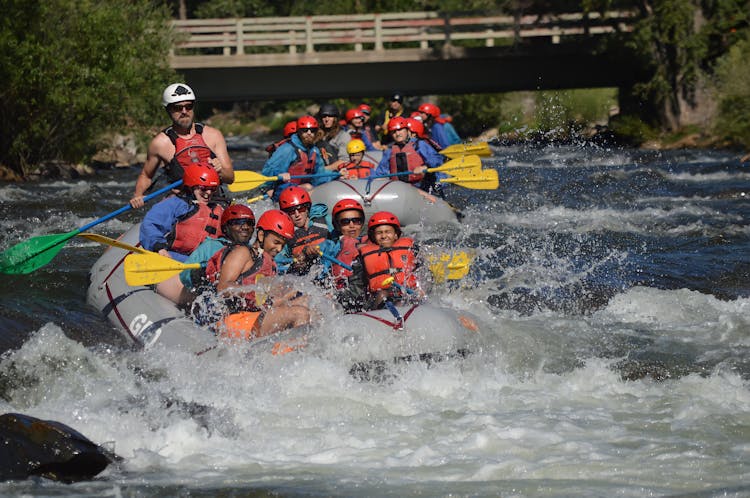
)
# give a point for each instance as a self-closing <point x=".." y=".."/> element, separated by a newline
<point x="381" y="32"/>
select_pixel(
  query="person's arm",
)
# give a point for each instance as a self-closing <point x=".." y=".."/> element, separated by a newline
<point x="157" y="223"/>
<point x="431" y="157"/>
<point x="232" y="267"/>
<point x="222" y="163"/>
<point x="153" y="160"/>
<point x="320" y="167"/>
<point x="278" y="164"/>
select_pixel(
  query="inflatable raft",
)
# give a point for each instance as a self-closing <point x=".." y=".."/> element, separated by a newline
<point x="404" y="200"/>
<point x="146" y="319"/>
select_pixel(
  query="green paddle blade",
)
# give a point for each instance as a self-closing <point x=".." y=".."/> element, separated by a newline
<point x="32" y="254"/>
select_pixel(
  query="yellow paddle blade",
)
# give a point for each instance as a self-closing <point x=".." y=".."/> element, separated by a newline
<point x="152" y="268"/>
<point x="480" y="149"/>
<point x="256" y="198"/>
<point x="449" y="266"/>
<point x="487" y="179"/>
<point x="112" y="242"/>
<point x="460" y="163"/>
<point x="248" y="180"/>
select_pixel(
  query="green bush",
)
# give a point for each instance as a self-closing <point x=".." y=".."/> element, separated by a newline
<point x="74" y="69"/>
<point x="733" y="82"/>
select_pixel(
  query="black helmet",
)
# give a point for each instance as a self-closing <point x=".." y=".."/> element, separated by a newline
<point x="328" y="110"/>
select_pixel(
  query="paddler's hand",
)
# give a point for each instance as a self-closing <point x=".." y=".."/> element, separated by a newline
<point x="216" y="163"/>
<point x="137" y="202"/>
<point x="284" y="177"/>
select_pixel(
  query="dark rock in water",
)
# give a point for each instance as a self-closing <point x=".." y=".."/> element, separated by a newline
<point x="33" y="447"/>
<point x="378" y="371"/>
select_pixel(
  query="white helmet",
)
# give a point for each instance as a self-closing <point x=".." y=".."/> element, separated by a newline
<point x="177" y="92"/>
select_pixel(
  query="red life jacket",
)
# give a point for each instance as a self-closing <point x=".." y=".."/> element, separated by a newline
<point x="203" y="220"/>
<point x="363" y="170"/>
<point x="187" y="151"/>
<point x="313" y="234"/>
<point x="396" y="261"/>
<point x="347" y="254"/>
<point x="305" y="165"/>
<point x="274" y="146"/>
<point x="410" y="159"/>
<point x="264" y="265"/>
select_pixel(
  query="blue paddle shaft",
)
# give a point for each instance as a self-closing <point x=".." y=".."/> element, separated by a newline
<point x="334" y="260"/>
<point x="128" y="207"/>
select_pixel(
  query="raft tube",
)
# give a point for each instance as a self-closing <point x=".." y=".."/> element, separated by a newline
<point x="146" y="319"/>
<point x="382" y="194"/>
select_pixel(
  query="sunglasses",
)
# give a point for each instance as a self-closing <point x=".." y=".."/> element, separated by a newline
<point x="183" y="107"/>
<point x="309" y="130"/>
<point x="205" y="189"/>
<point x="346" y="221"/>
<point x="240" y="222"/>
<point x="302" y="208"/>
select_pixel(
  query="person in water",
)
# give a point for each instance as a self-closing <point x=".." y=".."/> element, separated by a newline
<point x="177" y="225"/>
<point x="356" y="167"/>
<point x="297" y="157"/>
<point x="412" y="155"/>
<point x="235" y="272"/>
<point x="311" y="230"/>
<point x="390" y="262"/>
<point x="183" y="143"/>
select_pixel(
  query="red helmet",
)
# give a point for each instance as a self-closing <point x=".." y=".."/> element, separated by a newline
<point x="416" y="115"/>
<point x="383" y="218"/>
<point x="430" y="109"/>
<point x="415" y="126"/>
<point x="277" y="221"/>
<point x="346" y="204"/>
<point x="396" y="123"/>
<point x="290" y="128"/>
<point x="237" y="212"/>
<point x="354" y="113"/>
<point x="365" y="108"/>
<point x="306" y="122"/>
<point x="200" y="175"/>
<point x="293" y="196"/>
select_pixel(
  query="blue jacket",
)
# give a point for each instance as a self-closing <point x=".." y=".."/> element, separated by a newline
<point x="201" y="255"/>
<point x="430" y="156"/>
<point x="286" y="155"/>
<point x="443" y="136"/>
<point x="159" y="221"/>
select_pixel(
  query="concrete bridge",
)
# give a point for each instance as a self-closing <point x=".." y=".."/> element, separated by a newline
<point x="416" y="53"/>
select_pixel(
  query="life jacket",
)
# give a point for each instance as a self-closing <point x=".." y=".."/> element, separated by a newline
<point x="396" y="261"/>
<point x="363" y="170"/>
<point x="354" y="133"/>
<point x="432" y="143"/>
<point x="274" y="146"/>
<point x="264" y="265"/>
<point x="329" y="153"/>
<point x="406" y="158"/>
<point x="304" y="165"/>
<point x="314" y="233"/>
<point x="186" y="151"/>
<point x="347" y="254"/>
<point x="203" y="220"/>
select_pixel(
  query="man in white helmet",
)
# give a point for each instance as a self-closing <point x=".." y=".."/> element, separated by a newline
<point x="183" y="143"/>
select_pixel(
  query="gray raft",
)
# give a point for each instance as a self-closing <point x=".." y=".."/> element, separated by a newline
<point x="146" y="319"/>
<point x="382" y="194"/>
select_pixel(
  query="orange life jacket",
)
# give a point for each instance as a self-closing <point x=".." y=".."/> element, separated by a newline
<point x="405" y="158"/>
<point x="274" y="146"/>
<point x="313" y="234"/>
<point x="397" y="261"/>
<point x="203" y="220"/>
<point x="362" y="170"/>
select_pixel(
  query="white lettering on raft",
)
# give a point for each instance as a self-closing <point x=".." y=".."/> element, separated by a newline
<point x="140" y="325"/>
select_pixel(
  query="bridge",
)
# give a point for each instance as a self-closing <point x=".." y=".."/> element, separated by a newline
<point x="417" y="53"/>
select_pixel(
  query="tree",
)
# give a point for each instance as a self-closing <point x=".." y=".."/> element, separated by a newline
<point x="73" y="69"/>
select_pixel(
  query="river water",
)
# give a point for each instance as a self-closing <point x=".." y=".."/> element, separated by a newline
<point x="612" y="290"/>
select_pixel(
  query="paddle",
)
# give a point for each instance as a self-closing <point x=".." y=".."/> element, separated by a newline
<point x="112" y="242"/>
<point x="486" y="179"/>
<point x="480" y="149"/>
<point x="248" y="180"/>
<point x="151" y="268"/>
<point x="449" y="267"/>
<point x="461" y="163"/>
<point x="36" y="252"/>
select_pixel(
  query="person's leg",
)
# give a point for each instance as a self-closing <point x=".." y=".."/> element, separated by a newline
<point x="171" y="288"/>
<point x="282" y="317"/>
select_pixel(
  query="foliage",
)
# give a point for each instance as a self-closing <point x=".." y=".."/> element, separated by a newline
<point x="73" y="69"/>
<point x="473" y="113"/>
<point x="733" y="82"/>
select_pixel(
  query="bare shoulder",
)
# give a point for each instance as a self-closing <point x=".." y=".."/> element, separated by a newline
<point x="162" y="145"/>
<point x="210" y="133"/>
